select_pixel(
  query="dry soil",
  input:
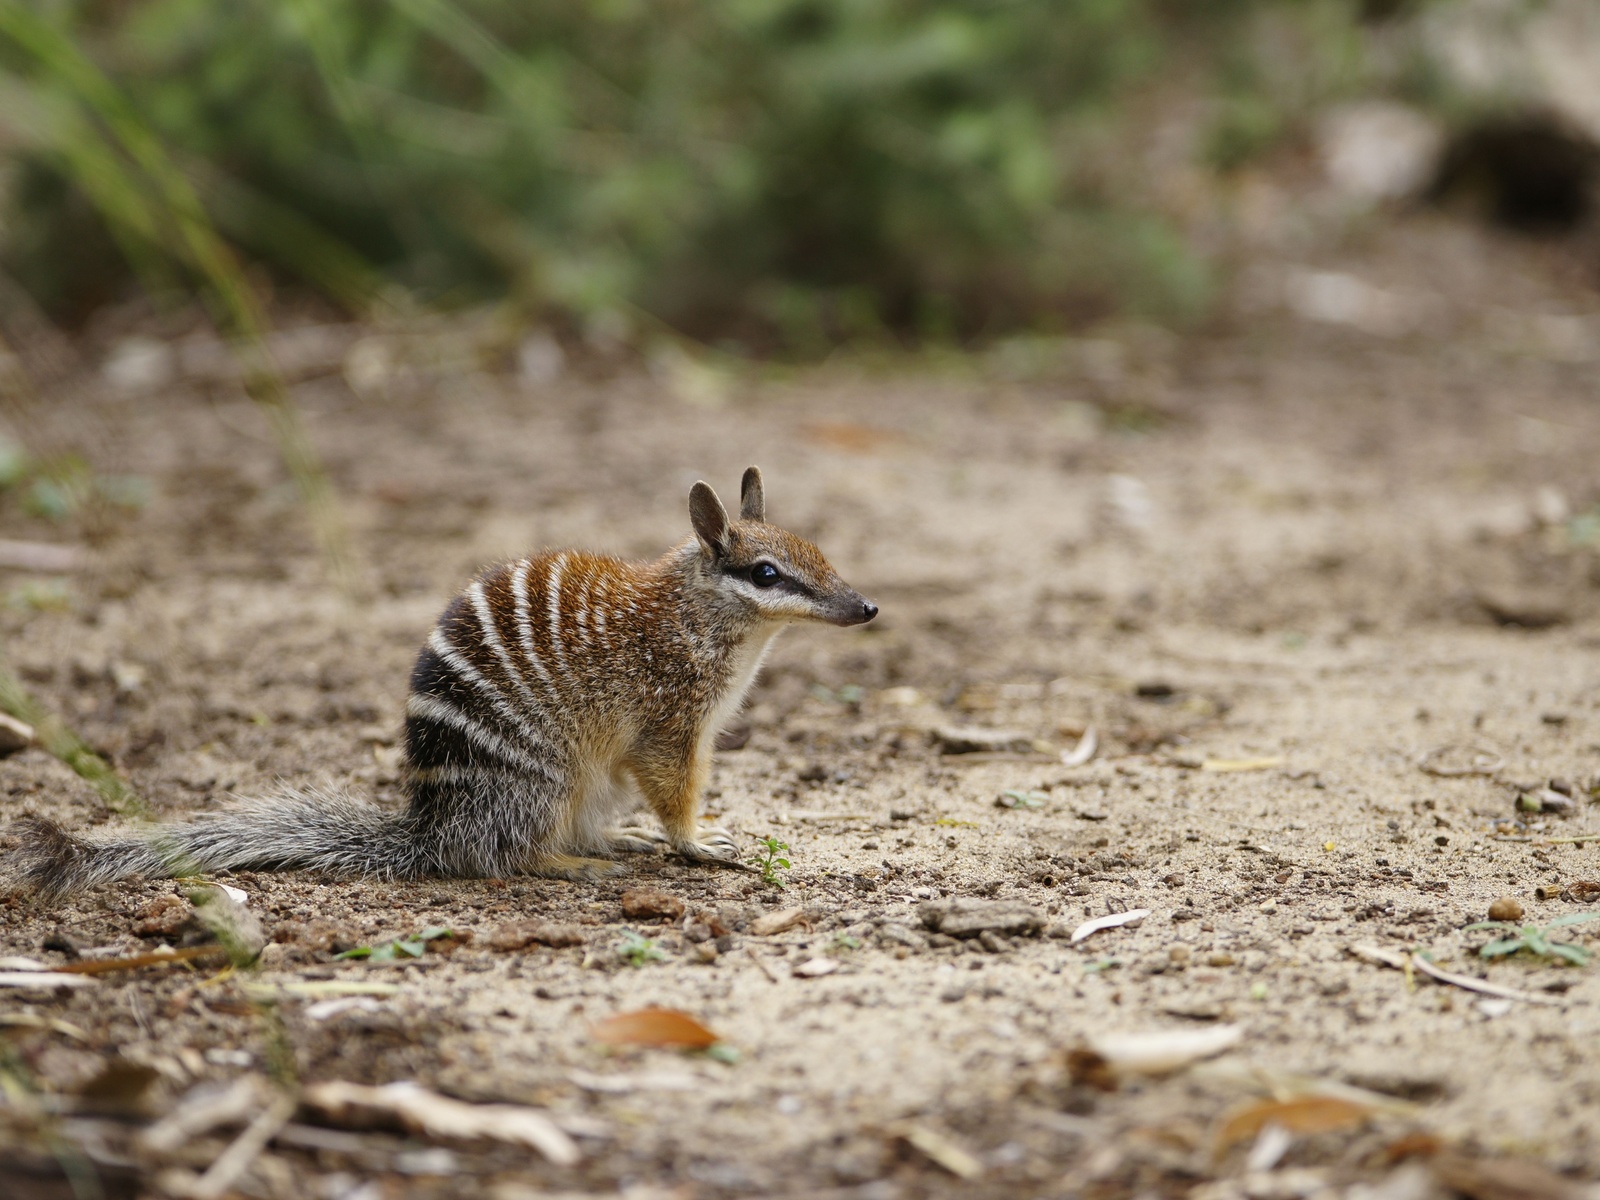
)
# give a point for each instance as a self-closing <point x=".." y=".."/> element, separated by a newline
<point x="1343" y="560"/>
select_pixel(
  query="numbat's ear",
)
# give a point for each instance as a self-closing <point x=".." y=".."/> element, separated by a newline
<point x="710" y="519"/>
<point x="752" y="497"/>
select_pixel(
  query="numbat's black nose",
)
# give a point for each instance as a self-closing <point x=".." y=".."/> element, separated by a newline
<point x="868" y="610"/>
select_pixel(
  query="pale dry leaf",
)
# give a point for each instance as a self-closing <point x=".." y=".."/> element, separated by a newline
<point x="15" y="735"/>
<point x="317" y="989"/>
<point x="1131" y="917"/>
<point x="35" y="1021"/>
<point x="777" y="922"/>
<point x="1162" y="1051"/>
<point x="1083" y="751"/>
<point x="244" y="1150"/>
<point x="638" y="1081"/>
<point x="425" y="1112"/>
<point x="1223" y="765"/>
<point x="815" y="968"/>
<point x="323" y="1010"/>
<point x="938" y="1149"/>
<point x="201" y="1109"/>
<point x="42" y="979"/>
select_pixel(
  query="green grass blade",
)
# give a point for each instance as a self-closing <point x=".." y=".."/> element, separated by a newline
<point x="1502" y="947"/>
<point x="1572" y="919"/>
<point x="189" y="236"/>
<point x="57" y="739"/>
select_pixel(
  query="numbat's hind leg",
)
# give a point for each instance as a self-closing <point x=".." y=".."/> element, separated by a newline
<point x="635" y="839"/>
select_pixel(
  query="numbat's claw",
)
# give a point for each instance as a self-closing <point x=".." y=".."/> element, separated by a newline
<point x="714" y="852"/>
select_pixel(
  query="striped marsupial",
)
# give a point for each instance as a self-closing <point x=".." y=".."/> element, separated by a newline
<point x="553" y="694"/>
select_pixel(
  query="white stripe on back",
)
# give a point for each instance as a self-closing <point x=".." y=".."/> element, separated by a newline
<point x="491" y="635"/>
<point x="457" y="662"/>
<point x="553" y="610"/>
<point x="519" y="592"/>
<point x="431" y="708"/>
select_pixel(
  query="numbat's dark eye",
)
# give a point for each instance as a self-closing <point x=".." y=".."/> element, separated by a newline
<point x="764" y="575"/>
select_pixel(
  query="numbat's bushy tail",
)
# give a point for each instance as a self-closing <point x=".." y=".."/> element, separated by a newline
<point x="553" y="694"/>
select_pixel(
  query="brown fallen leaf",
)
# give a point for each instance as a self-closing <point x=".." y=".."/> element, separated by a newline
<point x="1505" y="1179"/>
<point x="518" y="935"/>
<point x="1303" y="1114"/>
<point x="777" y="922"/>
<point x="118" y="1089"/>
<point x="660" y="1027"/>
<point x="1416" y="1144"/>
<point x="651" y="902"/>
<point x="1088" y="1069"/>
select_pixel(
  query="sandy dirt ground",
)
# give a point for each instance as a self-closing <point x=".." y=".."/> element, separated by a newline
<point x="1363" y="568"/>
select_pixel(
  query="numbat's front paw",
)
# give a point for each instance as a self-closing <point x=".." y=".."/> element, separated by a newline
<point x="716" y="849"/>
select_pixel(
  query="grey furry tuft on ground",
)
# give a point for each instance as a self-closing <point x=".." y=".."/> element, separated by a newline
<point x="51" y="862"/>
<point x="297" y="830"/>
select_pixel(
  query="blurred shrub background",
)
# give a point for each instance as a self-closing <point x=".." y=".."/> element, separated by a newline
<point x="786" y="173"/>
<point x="774" y="175"/>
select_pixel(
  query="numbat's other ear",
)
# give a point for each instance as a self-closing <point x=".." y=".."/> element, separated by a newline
<point x="709" y="518"/>
<point x="752" y="497"/>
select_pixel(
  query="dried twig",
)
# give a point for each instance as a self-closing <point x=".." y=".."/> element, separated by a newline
<point x="1484" y="761"/>
<point x="164" y="958"/>
<point x="1415" y="962"/>
<point x="41" y="556"/>
<point x="236" y="1159"/>
<point x="765" y="970"/>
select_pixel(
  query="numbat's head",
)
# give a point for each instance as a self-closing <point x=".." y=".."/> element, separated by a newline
<point x="769" y="573"/>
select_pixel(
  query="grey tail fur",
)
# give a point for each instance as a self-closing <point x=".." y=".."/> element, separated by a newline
<point x="300" y="830"/>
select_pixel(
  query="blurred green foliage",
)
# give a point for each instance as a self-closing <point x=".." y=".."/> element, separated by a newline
<point x="785" y="172"/>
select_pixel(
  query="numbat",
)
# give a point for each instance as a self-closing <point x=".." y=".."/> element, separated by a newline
<point x="552" y="694"/>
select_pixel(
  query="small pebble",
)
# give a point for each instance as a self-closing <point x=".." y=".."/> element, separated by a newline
<point x="1505" y="909"/>
<point x="1178" y="954"/>
<point x="1220" y="960"/>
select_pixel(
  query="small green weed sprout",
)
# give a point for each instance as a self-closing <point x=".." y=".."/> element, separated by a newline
<point x="769" y="860"/>
<point x="1017" y="798"/>
<point x="843" y="941"/>
<point x="1535" y="939"/>
<point x="636" y="949"/>
<point x="398" y="949"/>
<point x="849" y="693"/>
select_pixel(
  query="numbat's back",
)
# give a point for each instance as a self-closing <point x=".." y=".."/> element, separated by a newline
<point x="552" y="695"/>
